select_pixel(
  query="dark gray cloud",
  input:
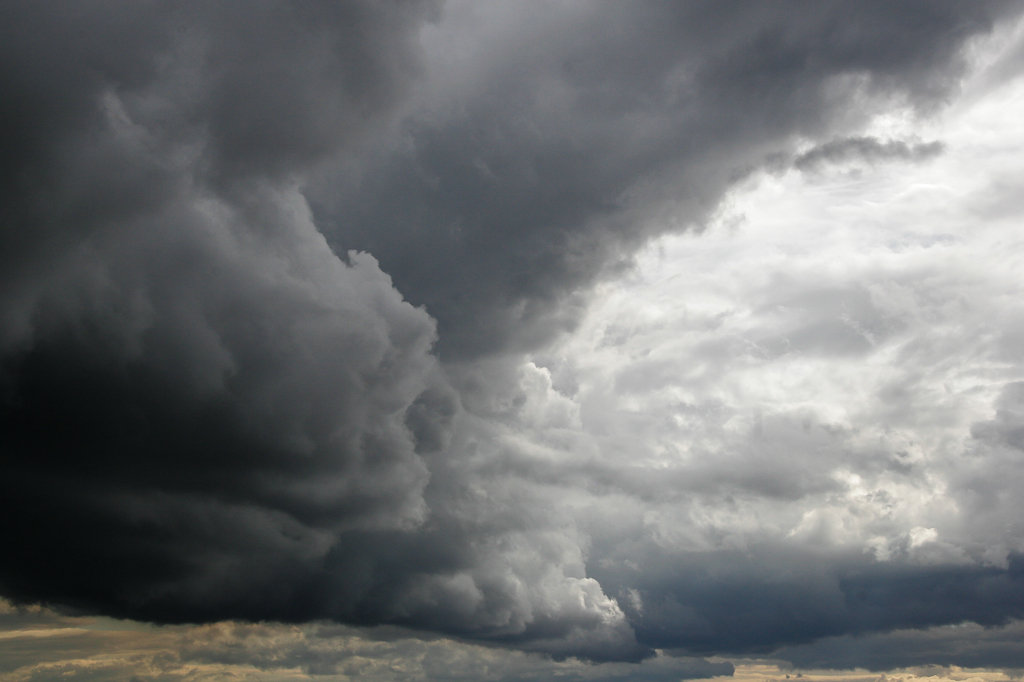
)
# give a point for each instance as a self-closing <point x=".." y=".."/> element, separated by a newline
<point x="714" y="601"/>
<point x="207" y="413"/>
<point x="198" y="393"/>
<point x="869" y="149"/>
<point x="558" y="152"/>
<point x="967" y="645"/>
<point x="219" y="399"/>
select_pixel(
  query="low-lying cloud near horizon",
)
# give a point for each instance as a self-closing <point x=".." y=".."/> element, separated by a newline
<point x="507" y="340"/>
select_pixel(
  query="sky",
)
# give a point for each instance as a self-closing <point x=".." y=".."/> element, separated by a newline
<point x="511" y="341"/>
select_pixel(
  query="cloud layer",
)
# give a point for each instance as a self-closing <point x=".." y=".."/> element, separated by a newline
<point x="351" y="312"/>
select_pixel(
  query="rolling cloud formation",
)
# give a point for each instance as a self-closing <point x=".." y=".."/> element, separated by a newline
<point x="287" y="294"/>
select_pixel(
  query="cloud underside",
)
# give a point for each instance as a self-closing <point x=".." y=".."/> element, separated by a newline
<point x="309" y="312"/>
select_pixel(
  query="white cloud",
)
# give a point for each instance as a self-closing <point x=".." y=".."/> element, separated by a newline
<point x="811" y="365"/>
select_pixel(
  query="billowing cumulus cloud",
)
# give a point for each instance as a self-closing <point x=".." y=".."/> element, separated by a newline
<point x="199" y="394"/>
<point x="372" y="314"/>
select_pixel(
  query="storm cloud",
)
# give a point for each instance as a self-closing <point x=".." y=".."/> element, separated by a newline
<point x="323" y="312"/>
<point x="559" y="147"/>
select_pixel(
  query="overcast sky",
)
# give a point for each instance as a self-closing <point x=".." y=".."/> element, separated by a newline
<point x="511" y="341"/>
